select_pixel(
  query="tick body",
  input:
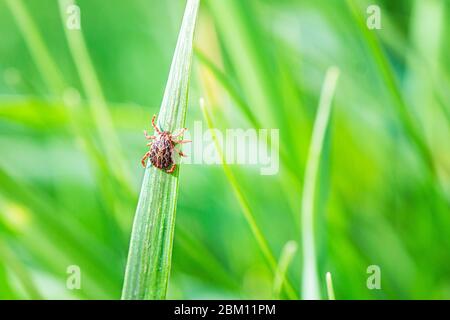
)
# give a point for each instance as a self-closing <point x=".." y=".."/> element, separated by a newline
<point x="162" y="148"/>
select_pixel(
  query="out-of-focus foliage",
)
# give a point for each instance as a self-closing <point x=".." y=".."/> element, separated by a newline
<point x="64" y="202"/>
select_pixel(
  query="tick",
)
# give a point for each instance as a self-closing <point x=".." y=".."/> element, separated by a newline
<point x="162" y="148"/>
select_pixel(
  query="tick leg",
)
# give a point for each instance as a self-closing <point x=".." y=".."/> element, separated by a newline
<point x="172" y="168"/>
<point x="154" y="125"/>
<point x="148" y="137"/>
<point x="145" y="157"/>
<point x="182" y="131"/>
<point x="181" y="141"/>
<point x="180" y="152"/>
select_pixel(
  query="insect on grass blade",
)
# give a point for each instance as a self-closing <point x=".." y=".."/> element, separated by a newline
<point x="149" y="258"/>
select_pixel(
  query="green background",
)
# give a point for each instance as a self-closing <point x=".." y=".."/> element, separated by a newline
<point x="383" y="194"/>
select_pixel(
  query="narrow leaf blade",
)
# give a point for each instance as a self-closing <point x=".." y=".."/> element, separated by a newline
<point x="149" y="258"/>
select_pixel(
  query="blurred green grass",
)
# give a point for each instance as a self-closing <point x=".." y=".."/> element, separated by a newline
<point x="61" y="202"/>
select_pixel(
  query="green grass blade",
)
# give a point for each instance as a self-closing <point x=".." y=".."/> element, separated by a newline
<point x="206" y="260"/>
<point x="57" y="86"/>
<point x="223" y="79"/>
<point x="9" y="290"/>
<point x="310" y="280"/>
<point x="38" y="50"/>
<point x="21" y="272"/>
<point x="330" y="289"/>
<point x="242" y="105"/>
<point x="392" y="86"/>
<point x="149" y="258"/>
<point x="62" y="231"/>
<point x="239" y="38"/>
<point x="97" y="101"/>
<point x="243" y="202"/>
<point x="287" y="254"/>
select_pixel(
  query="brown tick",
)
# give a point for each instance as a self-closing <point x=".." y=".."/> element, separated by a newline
<point x="162" y="148"/>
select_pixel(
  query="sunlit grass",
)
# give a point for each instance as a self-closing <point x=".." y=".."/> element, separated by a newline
<point x="377" y="194"/>
<point x="150" y="254"/>
<point x="246" y="210"/>
<point x="330" y="289"/>
<point x="310" y="279"/>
